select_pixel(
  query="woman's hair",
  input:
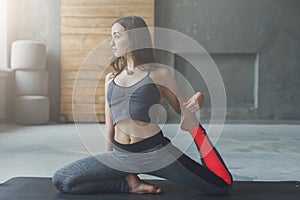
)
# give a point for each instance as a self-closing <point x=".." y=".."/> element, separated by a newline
<point x="140" y="43"/>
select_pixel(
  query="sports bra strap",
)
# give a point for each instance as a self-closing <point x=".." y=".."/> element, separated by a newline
<point x="148" y="72"/>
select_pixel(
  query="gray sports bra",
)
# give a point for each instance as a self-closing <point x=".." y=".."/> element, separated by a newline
<point x="133" y="102"/>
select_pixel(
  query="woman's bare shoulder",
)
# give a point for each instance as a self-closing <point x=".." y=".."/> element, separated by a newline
<point x="109" y="76"/>
<point x="160" y="72"/>
<point x="162" y="75"/>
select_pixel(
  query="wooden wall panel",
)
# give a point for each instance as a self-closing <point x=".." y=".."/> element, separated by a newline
<point x="85" y="24"/>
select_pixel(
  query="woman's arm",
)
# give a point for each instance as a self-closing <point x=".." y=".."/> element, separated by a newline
<point x="169" y="89"/>
<point x="109" y="130"/>
<point x="195" y="103"/>
<point x="171" y="93"/>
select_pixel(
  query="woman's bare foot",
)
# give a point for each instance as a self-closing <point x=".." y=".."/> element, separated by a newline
<point x="138" y="186"/>
<point x="189" y="119"/>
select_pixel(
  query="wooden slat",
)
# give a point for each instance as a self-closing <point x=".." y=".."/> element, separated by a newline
<point x="91" y="22"/>
<point x="91" y="11"/>
<point x="134" y="2"/>
<point x="82" y="42"/>
<point x="82" y="91"/>
<point x="86" y="117"/>
<point x="105" y="2"/>
<point x="74" y="54"/>
<point x="83" y="83"/>
<point x="107" y="11"/>
<point x="82" y="99"/>
<point x="84" y="30"/>
<point x="82" y="75"/>
<point x="87" y="63"/>
<point x="94" y="22"/>
<point x="86" y="2"/>
<point x="82" y="108"/>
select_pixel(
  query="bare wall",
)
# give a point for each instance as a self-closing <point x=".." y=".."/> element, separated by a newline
<point x="256" y="46"/>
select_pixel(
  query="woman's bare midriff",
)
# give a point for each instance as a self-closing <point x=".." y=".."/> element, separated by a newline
<point x="131" y="131"/>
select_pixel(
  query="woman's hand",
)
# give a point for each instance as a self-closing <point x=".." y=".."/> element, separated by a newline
<point x="194" y="103"/>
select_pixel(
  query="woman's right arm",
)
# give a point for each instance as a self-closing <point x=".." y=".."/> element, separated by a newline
<point x="109" y="130"/>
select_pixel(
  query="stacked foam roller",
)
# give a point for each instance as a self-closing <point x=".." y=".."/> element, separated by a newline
<point x="28" y="60"/>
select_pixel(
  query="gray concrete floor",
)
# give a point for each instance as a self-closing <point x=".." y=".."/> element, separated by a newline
<point x="258" y="152"/>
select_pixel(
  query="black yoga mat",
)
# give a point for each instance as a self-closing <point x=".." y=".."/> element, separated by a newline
<point x="28" y="188"/>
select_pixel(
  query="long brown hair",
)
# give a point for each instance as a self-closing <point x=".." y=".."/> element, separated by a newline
<point x="140" y="42"/>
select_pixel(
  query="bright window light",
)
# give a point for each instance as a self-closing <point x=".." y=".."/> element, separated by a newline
<point x="3" y="34"/>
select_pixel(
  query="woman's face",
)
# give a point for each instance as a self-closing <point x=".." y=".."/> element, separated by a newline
<point x="119" y="41"/>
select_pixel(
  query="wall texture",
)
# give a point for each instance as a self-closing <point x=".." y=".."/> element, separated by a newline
<point x="3" y="97"/>
<point x="256" y="46"/>
<point x="6" y="94"/>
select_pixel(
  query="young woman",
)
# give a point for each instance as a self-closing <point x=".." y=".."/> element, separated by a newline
<point x="136" y="85"/>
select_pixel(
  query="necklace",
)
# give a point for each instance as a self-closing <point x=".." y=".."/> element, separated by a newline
<point x="129" y="72"/>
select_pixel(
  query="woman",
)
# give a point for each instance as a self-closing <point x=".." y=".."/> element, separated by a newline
<point x="136" y="86"/>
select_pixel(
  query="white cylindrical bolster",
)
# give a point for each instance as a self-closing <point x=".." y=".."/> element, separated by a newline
<point x="27" y="54"/>
<point x="31" y="83"/>
<point x="32" y="110"/>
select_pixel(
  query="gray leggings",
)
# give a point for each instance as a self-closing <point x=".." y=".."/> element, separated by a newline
<point x="105" y="173"/>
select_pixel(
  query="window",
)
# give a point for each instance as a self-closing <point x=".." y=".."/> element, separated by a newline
<point x="3" y="34"/>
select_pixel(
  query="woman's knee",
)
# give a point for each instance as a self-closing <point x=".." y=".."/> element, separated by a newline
<point x="62" y="182"/>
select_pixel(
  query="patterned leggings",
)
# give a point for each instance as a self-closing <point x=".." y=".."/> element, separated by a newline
<point x="157" y="156"/>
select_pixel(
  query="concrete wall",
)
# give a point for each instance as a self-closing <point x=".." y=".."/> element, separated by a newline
<point x="39" y="20"/>
<point x="256" y="46"/>
<point x="6" y="94"/>
<point x="2" y="100"/>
